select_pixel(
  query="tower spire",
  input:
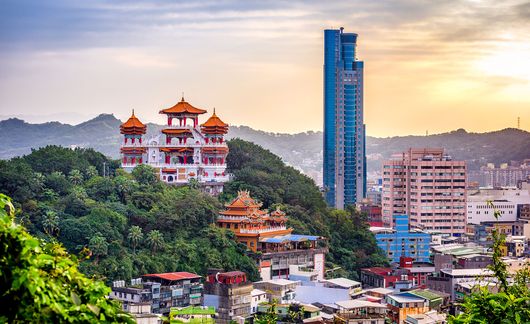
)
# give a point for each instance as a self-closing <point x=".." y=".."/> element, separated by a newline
<point x="182" y="96"/>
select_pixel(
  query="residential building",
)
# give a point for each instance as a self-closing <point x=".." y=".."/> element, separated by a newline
<point x="268" y="234"/>
<point x="352" y="286"/>
<point x="180" y="152"/>
<point x="282" y="290"/>
<point x="400" y="241"/>
<point x="161" y="291"/>
<point x="283" y="311"/>
<point x="360" y="311"/>
<point x="401" y="305"/>
<point x="429" y="186"/>
<point x="258" y="297"/>
<point x="502" y="175"/>
<point x="430" y="317"/>
<point x="446" y="279"/>
<point x="373" y="212"/>
<point x="234" y="293"/>
<point x="482" y="204"/>
<point x="344" y="131"/>
<point x="378" y="277"/>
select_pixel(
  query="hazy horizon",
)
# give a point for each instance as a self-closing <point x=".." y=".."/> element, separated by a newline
<point x="432" y="66"/>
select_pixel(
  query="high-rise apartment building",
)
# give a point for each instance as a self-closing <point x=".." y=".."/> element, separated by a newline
<point x="428" y="185"/>
<point x="344" y="131"/>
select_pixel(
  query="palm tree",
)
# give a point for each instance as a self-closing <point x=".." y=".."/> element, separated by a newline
<point x="50" y="222"/>
<point x="75" y="177"/>
<point x="91" y="171"/>
<point x="135" y="236"/>
<point x="98" y="246"/>
<point x="155" y="240"/>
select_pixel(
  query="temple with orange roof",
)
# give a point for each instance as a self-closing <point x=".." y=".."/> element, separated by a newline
<point x="267" y="233"/>
<point x="183" y="150"/>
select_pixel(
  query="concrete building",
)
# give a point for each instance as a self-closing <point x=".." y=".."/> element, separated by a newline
<point x="502" y="175"/>
<point x="482" y="203"/>
<point x="360" y="311"/>
<point x="282" y="290"/>
<point x="258" y="297"/>
<point x="400" y="241"/>
<point x="430" y="317"/>
<point x="234" y="293"/>
<point x="447" y="279"/>
<point x="352" y="286"/>
<point x="161" y="291"/>
<point x="429" y="186"/>
<point x="403" y="304"/>
<point x="344" y="130"/>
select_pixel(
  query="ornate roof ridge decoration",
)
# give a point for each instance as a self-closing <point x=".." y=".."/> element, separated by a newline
<point x="214" y="125"/>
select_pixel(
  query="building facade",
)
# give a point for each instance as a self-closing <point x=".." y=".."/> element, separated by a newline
<point x="160" y="291"/>
<point x="183" y="150"/>
<point x="234" y="293"/>
<point x="344" y="130"/>
<point x="400" y="241"/>
<point x="268" y="234"/>
<point x="429" y="186"/>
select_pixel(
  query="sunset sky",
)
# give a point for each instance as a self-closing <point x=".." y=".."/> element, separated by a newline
<point x="429" y="65"/>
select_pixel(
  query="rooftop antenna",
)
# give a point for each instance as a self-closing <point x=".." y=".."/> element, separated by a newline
<point x="518" y="122"/>
<point x="182" y="95"/>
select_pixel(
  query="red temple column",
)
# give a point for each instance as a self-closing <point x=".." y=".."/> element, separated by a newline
<point x="168" y="140"/>
<point x="167" y="158"/>
<point x="169" y="121"/>
<point x="133" y="160"/>
<point x="132" y="140"/>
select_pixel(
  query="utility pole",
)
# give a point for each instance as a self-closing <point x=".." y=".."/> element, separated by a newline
<point x="104" y="169"/>
<point x="518" y="122"/>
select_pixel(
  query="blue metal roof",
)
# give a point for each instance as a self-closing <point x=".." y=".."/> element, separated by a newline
<point x="289" y="238"/>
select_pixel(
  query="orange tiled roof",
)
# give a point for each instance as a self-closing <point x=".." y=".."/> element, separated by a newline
<point x="133" y="150"/>
<point x="214" y="125"/>
<point x="133" y="126"/>
<point x="215" y="150"/>
<point x="182" y="107"/>
<point x="172" y="131"/>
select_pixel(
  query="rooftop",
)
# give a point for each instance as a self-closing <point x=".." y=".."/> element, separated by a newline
<point x="467" y="272"/>
<point x="355" y="303"/>
<point x="280" y="282"/>
<point x="380" y="290"/>
<point x="289" y="238"/>
<point x="406" y="298"/>
<point x="257" y="292"/>
<point x="343" y="282"/>
<point x="200" y="310"/>
<point x="173" y="276"/>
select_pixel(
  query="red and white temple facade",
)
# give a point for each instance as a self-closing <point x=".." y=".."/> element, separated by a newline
<point x="183" y="150"/>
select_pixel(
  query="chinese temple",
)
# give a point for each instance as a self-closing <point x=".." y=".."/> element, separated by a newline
<point x="268" y="234"/>
<point x="183" y="150"/>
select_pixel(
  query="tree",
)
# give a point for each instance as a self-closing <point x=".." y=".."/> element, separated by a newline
<point x="50" y="223"/>
<point x="91" y="172"/>
<point x="270" y="317"/>
<point x="144" y="174"/>
<point x="75" y="177"/>
<point x="135" y="236"/>
<point x="155" y="240"/>
<point x="511" y="304"/>
<point x="40" y="283"/>
<point x="98" y="246"/>
<point x="296" y="313"/>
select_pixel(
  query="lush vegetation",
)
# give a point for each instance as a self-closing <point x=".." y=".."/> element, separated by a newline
<point x="40" y="282"/>
<point x="511" y="304"/>
<point x="129" y="224"/>
<point x="132" y="224"/>
<point x="351" y="245"/>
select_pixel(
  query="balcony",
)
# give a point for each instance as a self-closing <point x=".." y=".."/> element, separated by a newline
<point x="268" y="230"/>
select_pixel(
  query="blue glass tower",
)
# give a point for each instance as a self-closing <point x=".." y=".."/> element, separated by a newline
<point x="344" y="130"/>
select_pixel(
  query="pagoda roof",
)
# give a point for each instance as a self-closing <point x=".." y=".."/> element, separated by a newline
<point x="214" y="125"/>
<point x="133" y="150"/>
<point x="183" y="107"/>
<point x="215" y="150"/>
<point x="133" y="126"/>
<point x="176" y="149"/>
<point x="243" y="200"/>
<point x="176" y="131"/>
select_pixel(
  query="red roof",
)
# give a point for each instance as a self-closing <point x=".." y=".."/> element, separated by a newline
<point x="173" y="276"/>
<point x="379" y="271"/>
<point x="133" y="126"/>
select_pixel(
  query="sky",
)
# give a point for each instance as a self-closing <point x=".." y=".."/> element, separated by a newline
<point x="430" y="66"/>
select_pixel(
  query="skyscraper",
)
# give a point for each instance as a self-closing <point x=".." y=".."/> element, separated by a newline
<point x="344" y="131"/>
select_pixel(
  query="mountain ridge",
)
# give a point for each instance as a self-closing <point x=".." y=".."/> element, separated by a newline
<point x="301" y="150"/>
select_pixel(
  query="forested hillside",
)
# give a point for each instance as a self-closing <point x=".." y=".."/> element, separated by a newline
<point x="130" y="224"/>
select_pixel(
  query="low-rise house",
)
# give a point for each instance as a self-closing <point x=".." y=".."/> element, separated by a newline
<point x="352" y="286"/>
<point x="159" y="292"/>
<point x="430" y="317"/>
<point x="360" y="312"/>
<point x="281" y="290"/>
<point x="258" y="297"/>
<point x="403" y="304"/>
<point x="285" y="310"/>
<point x="447" y="279"/>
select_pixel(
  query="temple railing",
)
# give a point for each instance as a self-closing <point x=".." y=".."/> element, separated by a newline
<point x="258" y="231"/>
